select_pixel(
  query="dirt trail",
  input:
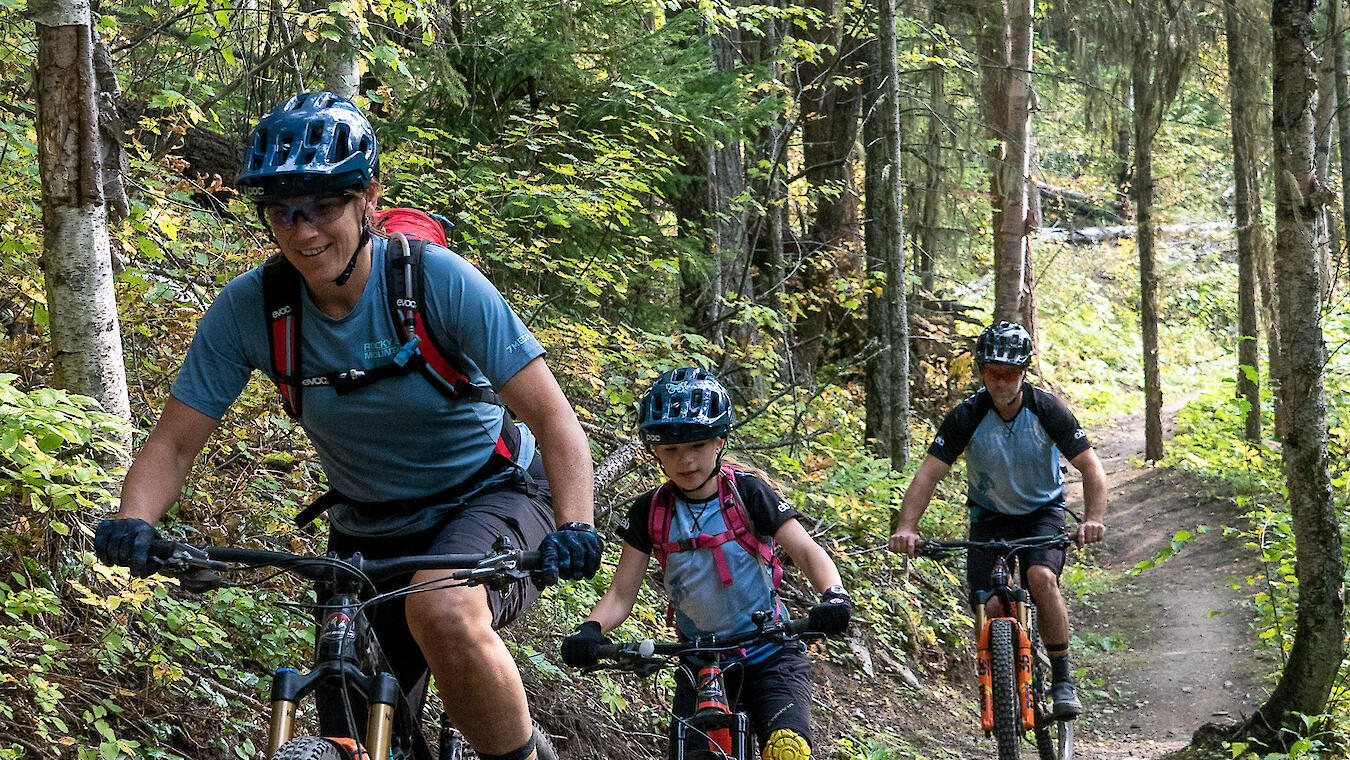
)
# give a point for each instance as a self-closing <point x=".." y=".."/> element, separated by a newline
<point x="1186" y="655"/>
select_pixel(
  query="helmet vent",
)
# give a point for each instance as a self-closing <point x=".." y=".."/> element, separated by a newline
<point x="341" y="143"/>
<point x="284" y="143"/>
<point x="314" y="134"/>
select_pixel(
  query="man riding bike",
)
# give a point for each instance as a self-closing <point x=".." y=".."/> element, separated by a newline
<point x="1013" y="434"/>
<point x="415" y="468"/>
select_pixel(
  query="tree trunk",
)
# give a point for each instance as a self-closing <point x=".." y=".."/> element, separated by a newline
<point x="884" y="243"/>
<point x="1338" y="55"/>
<point x="1163" y="36"/>
<point x="1244" y="87"/>
<point x="1005" y="68"/>
<point x="765" y="224"/>
<point x="830" y="98"/>
<point x="1319" y="640"/>
<point x="342" y="67"/>
<point x="1148" y="291"/>
<point x="1322" y="132"/>
<point x="726" y="209"/>
<point x="76" y="264"/>
<point x="931" y="234"/>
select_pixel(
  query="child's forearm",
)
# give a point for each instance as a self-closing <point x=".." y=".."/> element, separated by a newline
<point x="610" y="611"/>
<point x="820" y="569"/>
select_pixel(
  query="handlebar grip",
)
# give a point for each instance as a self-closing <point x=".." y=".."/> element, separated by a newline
<point x="162" y="549"/>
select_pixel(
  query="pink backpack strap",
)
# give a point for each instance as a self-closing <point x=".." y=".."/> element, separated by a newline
<point x="737" y="520"/>
<point x="659" y="514"/>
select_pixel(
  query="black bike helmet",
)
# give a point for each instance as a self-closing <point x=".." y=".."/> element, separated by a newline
<point x="315" y="142"/>
<point x="683" y="405"/>
<point x="1004" y="343"/>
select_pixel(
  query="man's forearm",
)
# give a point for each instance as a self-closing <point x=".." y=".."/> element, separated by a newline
<point x="571" y="474"/>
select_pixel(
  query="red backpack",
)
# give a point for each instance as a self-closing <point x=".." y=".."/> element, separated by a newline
<point x="738" y="529"/>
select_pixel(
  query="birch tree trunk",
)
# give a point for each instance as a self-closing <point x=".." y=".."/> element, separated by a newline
<point x="1319" y="641"/>
<point x="1246" y="52"/>
<point x="76" y="263"/>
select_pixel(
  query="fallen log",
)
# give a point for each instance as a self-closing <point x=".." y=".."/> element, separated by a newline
<point x="1056" y="201"/>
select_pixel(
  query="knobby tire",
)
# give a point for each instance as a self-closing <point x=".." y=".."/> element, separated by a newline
<point x="309" y="748"/>
<point x="1007" y="720"/>
<point x="1054" y="738"/>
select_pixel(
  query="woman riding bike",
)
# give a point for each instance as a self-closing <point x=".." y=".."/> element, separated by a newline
<point x="414" y="469"/>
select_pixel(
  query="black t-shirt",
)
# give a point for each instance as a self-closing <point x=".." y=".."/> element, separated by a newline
<point x="768" y="511"/>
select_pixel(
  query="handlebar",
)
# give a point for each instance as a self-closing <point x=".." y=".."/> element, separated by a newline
<point x="648" y="655"/>
<point x="942" y="549"/>
<point x="199" y="567"/>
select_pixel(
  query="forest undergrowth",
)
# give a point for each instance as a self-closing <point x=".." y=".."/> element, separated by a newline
<point x="109" y="665"/>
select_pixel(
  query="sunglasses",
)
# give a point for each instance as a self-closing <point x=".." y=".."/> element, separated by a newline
<point x="1002" y="374"/>
<point x="317" y="211"/>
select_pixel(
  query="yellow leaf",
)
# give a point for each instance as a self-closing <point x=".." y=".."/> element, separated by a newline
<point x="31" y="290"/>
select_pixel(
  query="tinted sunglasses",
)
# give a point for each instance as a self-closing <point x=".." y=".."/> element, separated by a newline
<point x="317" y="211"/>
<point x="1002" y="374"/>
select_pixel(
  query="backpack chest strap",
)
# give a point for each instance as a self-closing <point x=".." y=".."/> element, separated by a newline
<point x="712" y="541"/>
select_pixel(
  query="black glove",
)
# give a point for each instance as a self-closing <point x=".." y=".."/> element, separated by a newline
<point x="571" y="552"/>
<point x="126" y="542"/>
<point x="581" y="648"/>
<point x="830" y="617"/>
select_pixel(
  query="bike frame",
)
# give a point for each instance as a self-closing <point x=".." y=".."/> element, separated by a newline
<point x="714" y="730"/>
<point x="349" y="665"/>
<point x="340" y="641"/>
<point x="713" y="725"/>
<point x="1017" y="602"/>
<point x="1018" y="608"/>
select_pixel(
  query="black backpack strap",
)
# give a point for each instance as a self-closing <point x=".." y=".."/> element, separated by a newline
<point x="281" y="307"/>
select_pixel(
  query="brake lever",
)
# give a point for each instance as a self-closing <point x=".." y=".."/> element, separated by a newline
<point x="186" y="561"/>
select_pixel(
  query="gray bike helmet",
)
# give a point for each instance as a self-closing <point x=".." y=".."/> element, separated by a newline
<point x="683" y="405"/>
<point x="1004" y="343"/>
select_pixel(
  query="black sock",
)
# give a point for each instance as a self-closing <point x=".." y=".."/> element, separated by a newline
<point x="1059" y="662"/>
<point x="524" y="753"/>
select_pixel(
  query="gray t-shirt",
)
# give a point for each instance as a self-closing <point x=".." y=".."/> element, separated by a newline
<point x="398" y="438"/>
<point x="1012" y="466"/>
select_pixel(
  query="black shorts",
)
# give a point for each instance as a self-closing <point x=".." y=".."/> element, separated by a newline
<point x="507" y="511"/>
<point x="1046" y="521"/>
<point x="774" y="694"/>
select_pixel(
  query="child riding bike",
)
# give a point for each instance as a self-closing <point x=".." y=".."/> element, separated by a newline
<point x="1012" y="434"/>
<point x="712" y="527"/>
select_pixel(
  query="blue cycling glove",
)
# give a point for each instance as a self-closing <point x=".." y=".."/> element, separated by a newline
<point x="571" y="552"/>
<point x="126" y="542"/>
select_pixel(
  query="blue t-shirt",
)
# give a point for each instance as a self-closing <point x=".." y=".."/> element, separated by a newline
<point x="702" y="605"/>
<point x="397" y="438"/>
<point x="1012" y="467"/>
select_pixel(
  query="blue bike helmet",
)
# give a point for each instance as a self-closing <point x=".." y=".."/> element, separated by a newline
<point x="683" y="405"/>
<point x="315" y="142"/>
<point x="1004" y="343"/>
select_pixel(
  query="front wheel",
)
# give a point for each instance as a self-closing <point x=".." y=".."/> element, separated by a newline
<point x="1007" y="708"/>
<point x="543" y="746"/>
<point x="310" y="748"/>
<point x="1054" y="741"/>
